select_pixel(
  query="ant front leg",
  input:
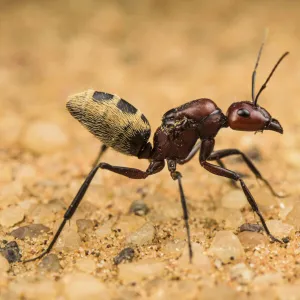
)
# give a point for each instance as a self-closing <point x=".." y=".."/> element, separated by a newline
<point x="154" y="167"/>
<point x="177" y="176"/>
<point x="100" y="153"/>
<point x="217" y="155"/>
<point x="206" y="150"/>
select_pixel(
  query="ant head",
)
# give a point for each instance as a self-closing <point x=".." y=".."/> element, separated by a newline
<point x="246" y="116"/>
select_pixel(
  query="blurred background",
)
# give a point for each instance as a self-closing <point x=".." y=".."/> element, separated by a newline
<point x="155" y="54"/>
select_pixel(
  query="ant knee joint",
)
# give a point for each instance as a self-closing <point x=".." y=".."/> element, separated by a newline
<point x="175" y="175"/>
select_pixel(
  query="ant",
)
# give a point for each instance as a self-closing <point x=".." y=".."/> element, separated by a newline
<point x="124" y="128"/>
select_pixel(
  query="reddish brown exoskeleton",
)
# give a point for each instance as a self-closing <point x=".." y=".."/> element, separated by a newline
<point x="122" y="127"/>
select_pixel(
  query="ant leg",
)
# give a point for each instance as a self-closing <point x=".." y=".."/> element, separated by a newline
<point x="217" y="155"/>
<point x="206" y="150"/>
<point x="177" y="176"/>
<point x="221" y="164"/>
<point x="154" y="167"/>
<point x="100" y="153"/>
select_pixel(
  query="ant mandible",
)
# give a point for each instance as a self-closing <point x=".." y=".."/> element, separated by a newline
<point x="121" y="126"/>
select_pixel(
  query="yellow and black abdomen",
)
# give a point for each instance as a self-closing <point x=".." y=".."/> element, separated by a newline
<point x="113" y="120"/>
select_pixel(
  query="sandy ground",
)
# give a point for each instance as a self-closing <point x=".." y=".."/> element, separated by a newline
<point x="156" y="55"/>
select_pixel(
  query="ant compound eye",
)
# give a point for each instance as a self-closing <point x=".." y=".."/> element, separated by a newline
<point x="243" y="113"/>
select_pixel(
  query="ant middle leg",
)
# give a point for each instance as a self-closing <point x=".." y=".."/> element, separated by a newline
<point x="177" y="176"/>
<point x="217" y="155"/>
<point x="154" y="167"/>
<point x="206" y="150"/>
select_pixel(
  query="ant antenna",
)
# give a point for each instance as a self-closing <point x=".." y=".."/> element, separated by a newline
<point x="269" y="77"/>
<point x="256" y="65"/>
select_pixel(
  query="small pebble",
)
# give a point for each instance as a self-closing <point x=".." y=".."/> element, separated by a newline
<point x="6" y="174"/>
<point x="126" y="254"/>
<point x="174" y="248"/>
<point x="37" y="289"/>
<point x="137" y="271"/>
<point x="11" y="216"/>
<point x="10" y="129"/>
<point x="293" y="216"/>
<point x="227" y="247"/>
<point x="43" y="137"/>
<point x="234" y="199"/>
<point x="279" y="229"/>
<point x="128" y="224"/>
<point x="86" y="265"/>
<point x="84" y="225"/>
<point x="69" y="240"/>
<point x="250" y="239"/>
<point x="11" y="252"/>
<point x="288" y="292"/>
<point x="4" y="265"/>
<point x="50" y="263"/>
<point x="218" y="292"/>
<point x="268" y="279"/>
<point x="143" y="236"/>
<point x="241" y="273"/>
<point x="78" y="286"/>
<point x="200" y="260"/>
<point x="30" y="231"/>
<point x="232" y="218"/>
<point x="251" y="227"/>
<point x="139" y="208"/>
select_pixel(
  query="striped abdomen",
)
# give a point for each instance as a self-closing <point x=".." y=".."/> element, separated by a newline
<point x="113" y="120"/>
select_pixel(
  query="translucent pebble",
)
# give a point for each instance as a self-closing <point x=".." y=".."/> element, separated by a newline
<point x="200" y="260"/>
<point x="30" y="231"/>
<point x="6" y="174"/>
<point x="288" y="292"/>
<point x="232" y="218"/>
<point x="129" y="224"/>
<point x="78" y="286"/>
<point x="143" y="236"/>
<point x="4" y="265"/>
<point x="11" y="216"/>
<point x="69" y="240"/>
<point x="86" y="265"/>
<point x="164" y="290"/>
<point x="174" y="248"/>
<point x="137" y="271"/>
<point x="250" y="239"/>
<point x="43" y="137"/>
<point x="10" y="129"/>
<point x="234" y="199"/>
<point x="42" y="214"/>
<point x="293" y="217"/>
<point x="279" y="229"/>
<point x="10" y="193"/>
<point x="217" y="293"/>
<point x="26" y="173"/>
<point x="45" y="289"/>
<point x="226" y="246"/>
<point x="267" y="279"/>
<point x="84" y="225"/>
<point x="241" y="273"/>
<point x="50" y="263"/>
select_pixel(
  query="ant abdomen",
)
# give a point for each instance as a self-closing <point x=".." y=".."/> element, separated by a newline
<point x="117" y="123"/>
